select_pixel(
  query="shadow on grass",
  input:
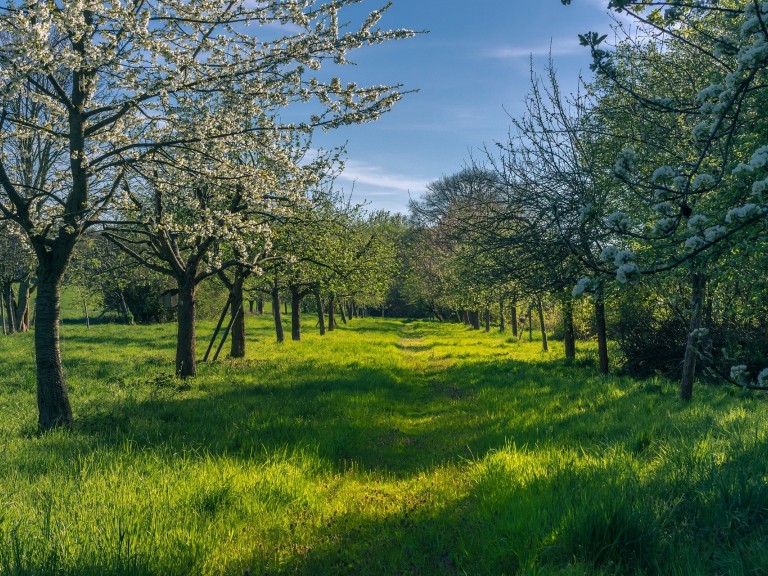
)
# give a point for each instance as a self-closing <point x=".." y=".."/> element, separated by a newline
<point x="393" y="421"/>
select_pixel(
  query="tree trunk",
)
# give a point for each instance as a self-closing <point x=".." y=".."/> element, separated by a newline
<point x="250" y="306"/>
<point x="487" y="319"/>
<point x="530" y="323"/>
<point x="2" y="315"/>
<point x="602" y="333"/>
<point x="341" y="312"/>
<point x="186" y="362"/>
<point x="331" y="311"/>
<point x="53" y="406"/>
<point x="320" y="312"/>
<point x="474" y="317"/>
<point x="502" y="327"/>
<point x="237" y="315"/>
<point x="699" y="283"/>
<point x="260" y="306"/>
<point x="7" y="302"/>
<point x="569" y="335"/>
<point x="544" y="345"/>
<point x="276" y="314"/>
<point x="465" y="317"/>
<point x="22" y="307"/>
<point x="295" y="314"/>
<point x="124" y="310"/>
<point x="87" y="317"/>
<point x="513" y="319"/>
<point x="286" y="307"/>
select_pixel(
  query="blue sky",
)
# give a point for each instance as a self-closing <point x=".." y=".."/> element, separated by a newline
<point x="471" y="70"/>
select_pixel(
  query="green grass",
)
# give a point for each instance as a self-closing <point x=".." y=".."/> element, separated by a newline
<point x="386" y="447"/>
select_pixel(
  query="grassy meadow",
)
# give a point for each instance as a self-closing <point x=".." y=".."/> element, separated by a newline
<point x="385" y="447"/>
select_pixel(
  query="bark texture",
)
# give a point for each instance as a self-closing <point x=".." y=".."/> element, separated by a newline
<point x="186" y="364"/>
<point x="54" y="410"/>
<point x="237" y="316"/>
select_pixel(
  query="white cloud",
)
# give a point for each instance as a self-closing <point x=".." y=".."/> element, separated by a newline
<point x="363" y="173"/>
<point x="556" y="48"/>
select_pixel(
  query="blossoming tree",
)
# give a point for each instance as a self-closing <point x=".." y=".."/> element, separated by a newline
<point x="112" y="83"/>
<point x="707" y="199"/>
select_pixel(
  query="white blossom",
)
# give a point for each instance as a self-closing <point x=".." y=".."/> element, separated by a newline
<point x="740" y="213"/>
<point x="626" y="163"/>
<point x="582" y="286"/>
<point x="759" y="187"/>
<point x="679" y="182"/>
<point x="608" y="253"/>
<point x="702" y="181"/>
<point x="714" y="233"/>
<point x="697" y="222"/>
<point x="665" y="225"/>
<point x="762" y="378"/>
<point x="623" y="257"/>
<point x="619" y="221"/>
<point x="694" y="243"/>
<point x="663" y="173"/>
<point x="738" y="372"/>
<point x="627" y="272"/>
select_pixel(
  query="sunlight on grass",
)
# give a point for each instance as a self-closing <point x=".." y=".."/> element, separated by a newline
<point x="384" y="447"/>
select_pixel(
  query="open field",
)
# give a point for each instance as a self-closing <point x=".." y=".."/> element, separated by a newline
<point x="386" y="447"/>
